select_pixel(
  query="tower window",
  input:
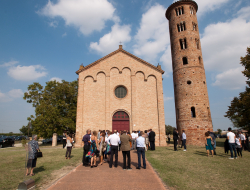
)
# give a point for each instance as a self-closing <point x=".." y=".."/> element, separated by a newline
<point x="191" y="10"/>
<point x="183" y="43"/>
<point x="200" y="61"/>
<point x="194" y="27"/>
<point x="181" y="26"/>
<point x="193" y="112"/>
<point x="197" y="41"/>
<point x="179" y="11"/>
<point x="189" y="82"/>
<point x="185" y="61"/>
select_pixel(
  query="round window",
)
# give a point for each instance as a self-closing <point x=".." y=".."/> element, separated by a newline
<point x="120" y="92"/>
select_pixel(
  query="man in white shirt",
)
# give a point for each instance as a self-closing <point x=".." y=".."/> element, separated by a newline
<point x="133" y="135"/>
<point x="231" y="142"/>
<point x="113" y="140"/>
<point x="184" y="137"/>
<point x="140" y="145"/>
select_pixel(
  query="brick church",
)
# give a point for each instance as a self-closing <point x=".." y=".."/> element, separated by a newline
<point x="121" y="91"/>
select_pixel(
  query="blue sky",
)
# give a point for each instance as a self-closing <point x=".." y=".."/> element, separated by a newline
<point x="48" y="40"/>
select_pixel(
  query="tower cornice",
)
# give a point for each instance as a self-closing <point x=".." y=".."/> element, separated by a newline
<point x="179" y="3"/>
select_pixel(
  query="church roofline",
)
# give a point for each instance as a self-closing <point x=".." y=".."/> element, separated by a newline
<point x="115" y="52"/>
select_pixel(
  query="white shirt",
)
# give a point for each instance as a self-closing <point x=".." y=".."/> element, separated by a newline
<point x="113" y="139"/>
<point x="133" y="135"/>
<point x="140" y="142"/>
<point x="231" y="137"/>
<point x="242" y="137"/>
<point x="184" y="136"/>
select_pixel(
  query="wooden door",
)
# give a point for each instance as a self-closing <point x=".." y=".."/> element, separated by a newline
<point x="120" y="121"/>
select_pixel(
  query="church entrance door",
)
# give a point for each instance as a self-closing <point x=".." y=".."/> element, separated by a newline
<point x="120" y="121"/>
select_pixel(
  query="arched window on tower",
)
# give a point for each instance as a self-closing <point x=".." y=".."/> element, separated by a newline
<point x="197" y="41"/>
<point x="179" y="11"/>
<point x="181" y="26"/>
<point x="193" y="112"/>
<point x="183" y="43"/>
<point x="185" y="61"/>
<point x="191" y="10"/>
<point x="200" y="61"/>
<point x="194" y="27"/>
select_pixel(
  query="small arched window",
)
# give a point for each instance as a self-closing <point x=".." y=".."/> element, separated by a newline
<point x="185" y="61"/>
<point x="193" y="112"/>
<point x="189" y="82"/>
<point x="200" y="62"/>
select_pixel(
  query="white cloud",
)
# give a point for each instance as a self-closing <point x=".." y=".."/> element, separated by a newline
<point x="65" y="34"/>
<point x="231" y="79"/>
<point x="166" y="60"/>
<point x="56" y="79"/>
<point x="53" y="24"/>
<point x="9" y="64"/>
<point x="153" y="35"/>
<point x="109" y="42"/>
<point x="223" y="44"/>
<point x="16" y="93"/>
<point x="27" y="73"/>
<point x="86" y="15"/>
<point x="244" y="13"/>
<point x="167" y="98"/>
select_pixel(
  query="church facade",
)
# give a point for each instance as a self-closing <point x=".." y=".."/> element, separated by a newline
<point x="120" y="91"/>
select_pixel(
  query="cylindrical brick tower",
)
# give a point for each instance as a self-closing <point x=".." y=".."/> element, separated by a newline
<point x="190" y="88"/>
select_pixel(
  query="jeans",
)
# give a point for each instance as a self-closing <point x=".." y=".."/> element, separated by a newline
<point x="152" y="145"/>
<point x="68" y="152"/>
<point x="141" y="152"/>
<point x="184" y="143"/>
<point x="232" y="148"/>
<point x="126" y="153"/>
<point x="85" y="151"/>
<point x="114" y="150"/>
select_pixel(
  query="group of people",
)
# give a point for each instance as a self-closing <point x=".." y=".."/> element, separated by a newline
<point x="182" y="139"/>
<point x="105" y="144"/>
<point x="236" y="143"/>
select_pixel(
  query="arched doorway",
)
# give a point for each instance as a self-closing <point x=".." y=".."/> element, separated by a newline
<point x="120" y="121"/>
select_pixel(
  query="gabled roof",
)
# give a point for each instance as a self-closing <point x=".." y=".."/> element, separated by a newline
<point x="158" y="68"/>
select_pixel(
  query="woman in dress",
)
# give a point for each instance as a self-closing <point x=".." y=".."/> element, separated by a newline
<point x="69" y="146"/>
<point x="238" y="145"/>
<point x="32" y="151"/>
<point x="208" y="143"/>
<point x="102" y="146"/>
<point x="93" y="149"/>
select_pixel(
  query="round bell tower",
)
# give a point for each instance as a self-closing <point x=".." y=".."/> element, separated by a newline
<point x="190" y="87"/>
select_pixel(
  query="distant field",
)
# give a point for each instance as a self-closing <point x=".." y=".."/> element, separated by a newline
<point x="194" y="170"/>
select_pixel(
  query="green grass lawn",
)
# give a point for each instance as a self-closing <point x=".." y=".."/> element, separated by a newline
<point x="12" y="165"/>
<point x="194" y="170"/>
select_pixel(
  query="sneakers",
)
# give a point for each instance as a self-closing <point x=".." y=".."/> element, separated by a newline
<point x="129" y="169"/>
<point x="235" y="157"/>
<point x="138" y="168"/>
<point x="184" y="150"/>
<point x="231" y="158"/>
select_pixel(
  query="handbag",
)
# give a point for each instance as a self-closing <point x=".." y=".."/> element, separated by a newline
<point x="39" y="154"/>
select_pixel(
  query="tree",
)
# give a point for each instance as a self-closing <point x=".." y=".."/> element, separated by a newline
<point x="55" y="107"/>
<point x="26" y="130"/>
<point x="219" y="131"/>
<point x="169" y="129"/>
<point x="239" y="110"/>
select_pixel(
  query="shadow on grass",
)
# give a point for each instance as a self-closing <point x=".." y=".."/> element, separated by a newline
<point x="219" y="143"/>
<point x="39" y="169"/>
<point x="201" y="153"/>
